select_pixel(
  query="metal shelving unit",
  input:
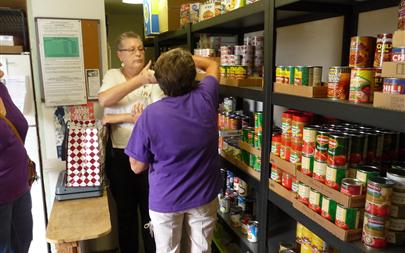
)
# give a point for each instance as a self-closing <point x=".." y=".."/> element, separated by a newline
<point x="278" y="215"/>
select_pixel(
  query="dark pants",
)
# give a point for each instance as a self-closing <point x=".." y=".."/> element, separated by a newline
<point x="16" y="225"/>
<point x="130" y="191"/>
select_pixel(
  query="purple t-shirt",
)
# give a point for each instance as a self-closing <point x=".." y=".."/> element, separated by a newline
<point x="178" y="137"/>
<point x="13" y="156"/>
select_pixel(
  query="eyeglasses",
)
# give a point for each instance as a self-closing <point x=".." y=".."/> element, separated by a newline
<point x="132" y="50"/>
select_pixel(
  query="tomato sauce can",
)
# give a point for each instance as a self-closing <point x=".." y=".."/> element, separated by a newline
<point x="334" y="176"/>
<point x="322" y="140"/>
<point x="338" y="148"/>
<point x="375" y="225"/>
<point x="319" y="171"/>
<point x="276" y="174"/>
<point x="309" y="140"/>
<point x="295" y="184"/>
<point x="286" y="180"/>
<point x="296" y="154"/>
<point x="373" y="241"/>
<point x="303" y="193"/>
<point x="301" y="75"/>
<point x="374" y="146"/>
<point x="352" y="187"/>
<point x="361" y="85"/>
<point x="398" y="54"/>
<point x="338" y="82"/>
<point x="361" y="51"/>
<point x="276" y="144"/>
<point x="252" y="231"/>
<point x="307" y="165"/>
<point x="383" y="49"/>
<point x="379" y="189"/>
<point x="328" y="210"/>
<point x="315" y="200"/>
<point x="357" y="148"/>
<point x="365" y="172"/>
<point x="347" y="218"/>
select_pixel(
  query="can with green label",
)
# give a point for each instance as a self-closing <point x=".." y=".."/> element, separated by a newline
<point x="328" y="208"/>
<point x="258" y="122"/>
<point x="245" y="157"/>
<point x="347" y="218"/>
<point x="252" y="160"/>
<point x="258" y="140"/>
<point x="289" y="75"/>
<point x="301" y="75"/>
<point x="251" y="137"/>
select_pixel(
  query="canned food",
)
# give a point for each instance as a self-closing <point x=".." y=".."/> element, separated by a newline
<point x="295" y="184"/>
<point x="309" y="140"/>
<point x="319" y="171"/>
<point x="395" y="238"/>
<point x="295" y="154"/>
<point x="297" y="126"/>
<point x="235" y="215"/>
<point x="245" y="224"/>
<point x="352" y="187"/>
<point x="258" y="122"/>
<point x="379" y="190"/>
<point x="229" y="104"/>
<point x="334" y="176"/>
<point x="251" y="136"/>
<point x="394" y="85"/>
<point x="315" y="76"/>
<point x="379" y="209"/>
<point x="338" y="150"/>
<point x="361" y="85"/>
<point x="242" y="202"/>
<point x="365" y="172"/>
<point x="252" y="232"/>
<point x="276" y="174"/>
<point x="276" y="144"/>
<point x="322" y="140"/>
<point x="383" y="49"/>
<point x="328" y="208"/>
<point x="286" y="180"/>
<point x="347" y="218"/>
<point x="307" y="165"/>
<point x="258" y="140"/>
<point x="289" y="77"/>
<point x="224" y="204"/>
<point x="374" y="146"/>
<point x="375" y="225"/>
<point x="286" y="123"/>
<point x="252" y="160"/>
<point x="242" y="189"/>
<point x="315" y="200"/>
<point x="398" y="54"/>
<point x="301" y="75"/>
<point x="378" y="80"/>
<point x="303" y="193"/>
<point x="396" y="224"/>
<point x="236" y="183"/>
<point x="397" y="173"/>
<point x="373" y="241"/>
<point x="338" y="82"/>
<point x="361" y="51"/>
<point x="357" y="148"/>
<point x="285" y="150"/>
<point x="280" y="74"/>
<point x="398" y="198"/>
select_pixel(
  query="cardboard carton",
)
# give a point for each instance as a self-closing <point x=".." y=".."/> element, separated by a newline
<point x="389" y="101"/>
<point x="398" y="39"/>
<point x="393" y="69"/>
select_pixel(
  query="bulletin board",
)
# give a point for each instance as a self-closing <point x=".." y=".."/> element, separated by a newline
<point x="70" y="60"/>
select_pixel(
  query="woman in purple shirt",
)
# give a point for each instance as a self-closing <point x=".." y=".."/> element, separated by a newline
<point x="176" y="138"/>
<point x="15" y="197"/>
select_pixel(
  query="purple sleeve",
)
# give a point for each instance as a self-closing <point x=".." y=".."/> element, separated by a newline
<point x="139" y="145"/>
<point x="4" y="135"/>
<point x="210" y="86"/>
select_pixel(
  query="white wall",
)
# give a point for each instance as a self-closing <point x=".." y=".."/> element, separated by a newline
<point x="88" y="9"/>
<point x="375" y="22"/>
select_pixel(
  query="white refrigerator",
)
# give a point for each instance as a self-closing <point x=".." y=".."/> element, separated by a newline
<point x="18" y="80"/>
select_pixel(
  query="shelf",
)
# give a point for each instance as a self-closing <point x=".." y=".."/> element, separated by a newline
<point x="249" y="93"/>
<point x="346" y="247"/>
<point x="242" y="166"/>
<point x="247" y="18"/>
<point x="334" y="5"/>
<point x="247" y="147"/>
<point x="252" y="246"/>
<point x="173" y="37"/>
<point x="344" y="110"/>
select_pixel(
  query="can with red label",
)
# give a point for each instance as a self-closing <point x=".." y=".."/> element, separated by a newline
<point x="338" y="150"/>
<point x="334" y="176"/>
<point x="361" y="51"/>
<point x="328" y="210"/>
<point x="373" y="240"/>
<point x="286" y="180"/>
<point x="315" y="200"/>
<point x="351" y="187"/>
<point x="362" y="85"/>
<point x="379" y="193"/>
<point x="276" y="174"/>
<point x="394" y="85"/>
<point x="378" y="80"/>
<point x="319" y="171"/>
<point x="303" y="193"/>
<point x="347" y="218"/>
<point x="375" y="225"/>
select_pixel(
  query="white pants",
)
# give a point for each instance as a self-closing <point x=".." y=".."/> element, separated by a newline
<point x="198" y="225"/>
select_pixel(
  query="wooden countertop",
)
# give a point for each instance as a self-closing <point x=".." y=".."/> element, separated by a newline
<point x="79" y="219"/>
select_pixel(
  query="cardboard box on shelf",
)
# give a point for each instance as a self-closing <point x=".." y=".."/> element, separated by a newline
<point x="398" y="39"/>
<point x="393" y="69"/>
<point x="11" y="49"/>
<point x="151" y="17"/>
<point x="231" y="5"/>
<point x="389" y="101"/>
<point x="302" y="91"/>
<point x="280" y="190"/>
<point x="169" y="13"/>
<point x="284" y="165"/>
<point x="207" y="11"/>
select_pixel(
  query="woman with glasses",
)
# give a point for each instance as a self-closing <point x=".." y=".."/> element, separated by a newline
<point x="121" y="89"/>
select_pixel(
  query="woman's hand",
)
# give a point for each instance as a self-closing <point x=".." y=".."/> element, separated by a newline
<point x="146" y="76"/>
<point x="137" y="110"/>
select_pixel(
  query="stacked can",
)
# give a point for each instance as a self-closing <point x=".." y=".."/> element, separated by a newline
<point x="396" y="233"/>
<point x="362" y="82"/>
<point x="337" y="161"/>
<point x="286" y="133"/>
<point x="299" y="75"/>
<point x="394" y="85"/>
<point x="321" y="155"/>
<point x="383" y="53"/>
<point x="258" y="43"/>
<point x="377" y="211"/>
<point x="308" y="149"/>
<point x="338" y="82"/>
<point x="298" y="122"/>
<point x="258" y="128"/>
<point x="361" y="51"/>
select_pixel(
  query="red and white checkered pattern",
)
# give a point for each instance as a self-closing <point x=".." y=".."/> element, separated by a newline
<point x="85" y="154"/>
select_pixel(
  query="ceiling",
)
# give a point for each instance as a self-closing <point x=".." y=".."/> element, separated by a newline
<point x="117" y="7"/>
